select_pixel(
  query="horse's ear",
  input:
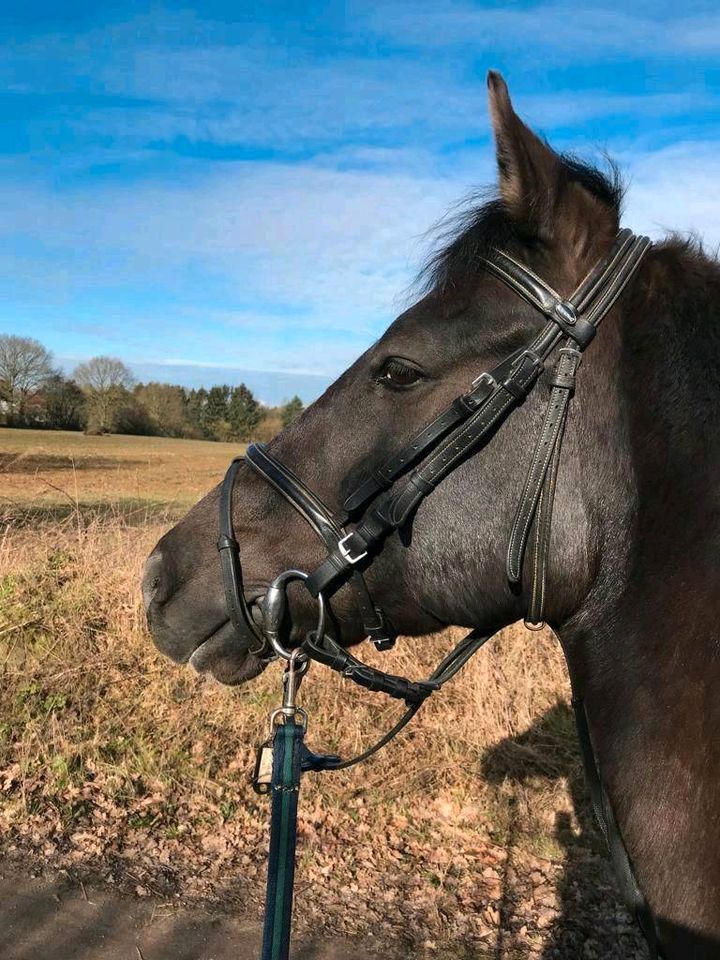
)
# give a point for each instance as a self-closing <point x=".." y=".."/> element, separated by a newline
<point x="537" y="186"/>
<point x="528" y="168"/>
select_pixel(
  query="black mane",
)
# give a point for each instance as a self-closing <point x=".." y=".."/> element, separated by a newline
<point x="481" y="224"/>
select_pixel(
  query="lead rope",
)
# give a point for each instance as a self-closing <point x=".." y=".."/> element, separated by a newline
<point x="282" y="759"/>
<point x="279" y="766"/>
<point x="287" y="747"/>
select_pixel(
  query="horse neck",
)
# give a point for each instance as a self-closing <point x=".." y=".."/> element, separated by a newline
<point x="657" y="466"/>
<point x="643" y="649"/>
<point x="655" y="600"/>
<point x="671" y="397"/>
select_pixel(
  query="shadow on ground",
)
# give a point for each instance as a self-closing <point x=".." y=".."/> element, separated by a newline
<point x="131" y="511"/>
<point x="592" y="922"/>
<point x="62" y="919"/>
<point x="34" y="462"/>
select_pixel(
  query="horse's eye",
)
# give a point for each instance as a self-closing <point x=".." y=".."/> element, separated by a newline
<point x="398" y="373"/>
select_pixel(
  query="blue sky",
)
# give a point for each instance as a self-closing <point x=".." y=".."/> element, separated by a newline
<point x="241" y="191"/>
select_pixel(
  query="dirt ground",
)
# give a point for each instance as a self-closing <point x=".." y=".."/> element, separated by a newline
<point x="43" y="917"/>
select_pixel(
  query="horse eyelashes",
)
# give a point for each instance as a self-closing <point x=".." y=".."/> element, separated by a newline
<point x="399" y="374"/>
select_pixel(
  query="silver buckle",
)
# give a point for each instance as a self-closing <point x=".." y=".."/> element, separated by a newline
<point x="345" y="553"/>
<point x="488" y="378"/>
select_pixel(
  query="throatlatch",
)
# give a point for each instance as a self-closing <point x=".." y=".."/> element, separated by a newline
<point x="381" y="505"/>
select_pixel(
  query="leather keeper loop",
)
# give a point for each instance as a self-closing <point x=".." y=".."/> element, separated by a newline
<point x="400" y="507"/>
<point x="521" y="380"/>
<point x="374" y="526"/>
<point x="582" y="331"/>
<point x="564" y="380"/>
<point x="464" y="405"/>
<point x="227" y="543"/>
<point x="514" y="389"/>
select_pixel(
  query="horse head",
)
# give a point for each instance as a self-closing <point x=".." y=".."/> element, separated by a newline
<point x="445" y="565"/>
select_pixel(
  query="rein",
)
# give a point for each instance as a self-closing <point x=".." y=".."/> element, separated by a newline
<point x="385" y="501"/>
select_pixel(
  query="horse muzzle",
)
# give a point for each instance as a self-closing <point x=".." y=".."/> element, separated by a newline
<point x="194" y="628"/>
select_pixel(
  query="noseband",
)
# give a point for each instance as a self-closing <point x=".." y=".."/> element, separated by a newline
<point x="382" y="504"/>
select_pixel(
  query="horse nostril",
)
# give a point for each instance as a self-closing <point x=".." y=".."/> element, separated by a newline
<point x="152" y="578"/>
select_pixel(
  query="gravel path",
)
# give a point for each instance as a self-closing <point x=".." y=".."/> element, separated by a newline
<point x="53" y="917"/>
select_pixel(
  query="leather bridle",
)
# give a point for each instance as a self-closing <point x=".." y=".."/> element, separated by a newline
<point x="385" y="501"/>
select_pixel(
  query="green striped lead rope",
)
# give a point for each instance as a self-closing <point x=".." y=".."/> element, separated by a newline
<point x="285" y="786"/>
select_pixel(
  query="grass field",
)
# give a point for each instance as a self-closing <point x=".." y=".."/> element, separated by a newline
<point x="469" y="837"/>
<point x="57" y="470"/>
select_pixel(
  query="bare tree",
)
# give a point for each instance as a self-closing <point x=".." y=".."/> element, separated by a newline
<point x="105" y="381"/>
<point x="25" y="365"/>
<point x="165" y="404"/>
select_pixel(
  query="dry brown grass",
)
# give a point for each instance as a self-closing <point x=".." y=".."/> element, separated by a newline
<point x="45" y="468"/>
<point x="112" y="759"/>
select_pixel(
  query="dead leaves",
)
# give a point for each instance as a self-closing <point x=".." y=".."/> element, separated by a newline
<point x="117" y="766"/>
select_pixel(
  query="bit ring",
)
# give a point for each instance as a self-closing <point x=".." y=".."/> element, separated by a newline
<point x="273" y="607"/>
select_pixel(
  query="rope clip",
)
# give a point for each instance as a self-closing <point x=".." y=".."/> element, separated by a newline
<point x="296" y="668"/>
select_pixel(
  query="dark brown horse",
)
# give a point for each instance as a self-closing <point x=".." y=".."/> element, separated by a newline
<point x="633" y="580"/>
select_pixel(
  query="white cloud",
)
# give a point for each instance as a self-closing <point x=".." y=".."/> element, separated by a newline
<point x="329" y="253"/>
<point x="335" y="248"/>
<point x="299" y="265"/>
<point x="676" y="189"/>
<point x="232" y="85"/>
<point x="305" y="234"/>
<point x="577" y="34"/>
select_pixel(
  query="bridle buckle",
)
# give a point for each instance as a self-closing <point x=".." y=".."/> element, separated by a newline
<point x="347" y="554"/>
<point x="487" y="378"/>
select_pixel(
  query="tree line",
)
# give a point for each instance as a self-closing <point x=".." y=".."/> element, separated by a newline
<point x="102" y="396"/>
